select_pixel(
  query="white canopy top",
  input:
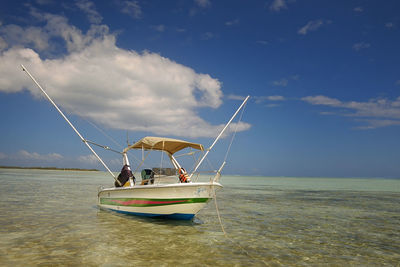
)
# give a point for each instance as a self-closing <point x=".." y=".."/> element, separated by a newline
<point x="169" y="145"/>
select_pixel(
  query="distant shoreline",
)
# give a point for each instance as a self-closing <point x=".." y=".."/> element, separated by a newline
<point x="47" y="168"/>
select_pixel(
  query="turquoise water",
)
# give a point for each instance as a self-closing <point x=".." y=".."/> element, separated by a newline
<point x="51" y="218"/>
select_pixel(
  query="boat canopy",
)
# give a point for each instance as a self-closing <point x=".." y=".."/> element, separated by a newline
<point x="169" y="145"/>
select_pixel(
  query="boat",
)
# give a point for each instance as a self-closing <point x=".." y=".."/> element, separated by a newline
<point x="175" y="199"/>
<point x="169" y="193"/>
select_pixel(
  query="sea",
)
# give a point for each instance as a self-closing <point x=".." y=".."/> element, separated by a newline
<point x="50" y="218"/>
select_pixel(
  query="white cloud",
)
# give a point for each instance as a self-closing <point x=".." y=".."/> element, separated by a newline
<point x="203" y="3"/>
<point x="282" y="82"/>
<point x="373" y="124"/>
<point x="207" y="36"/>
<point x="159" y="28"/>
<point x="236" y="97"/>
<point x="271" y="98"/>
<point x="376" y="112"/>
<point x="89" y="8"/>
<point x="277" y="5"/>
<point x="295" y="77"/>
<point x="3" y="44"/>
<point x="389" y="25"/>
<point x="32" y="36"/>
<point x="361" y="45"/>
<point x="285" y="81"/>
<point x="310" y="26"/>
<point x="276" y="98"/>
<point x="263" y="42"/>
<point x="260" y="99"/>
<point x="322" y="100"/>
<point x="115" y="87"/>
<point x="44" y="2"/>
<point x="232" y="22"/>
<point x="89" y="159"/>
<point x="358" y="9"/>
<point x="200" y="5"/>
<point x="23" y="154"/>
<point x="132" y="8"/>
<point x="55" y="27"/>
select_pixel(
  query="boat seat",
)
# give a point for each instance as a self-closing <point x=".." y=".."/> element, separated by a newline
<point x="147" y="177"/>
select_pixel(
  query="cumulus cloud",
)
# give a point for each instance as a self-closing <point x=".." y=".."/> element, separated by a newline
<point x="310" y="26"/>
<point x="31" y="36"/>
<point x="376" y="112"/>
<point x="117" y="88"/>
<point x="3" y="44"/>
<point x="358" y="9"/>
<point x="89" y="8"/>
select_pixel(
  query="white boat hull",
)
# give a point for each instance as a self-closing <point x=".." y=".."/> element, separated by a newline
<point x="176" y="201"/>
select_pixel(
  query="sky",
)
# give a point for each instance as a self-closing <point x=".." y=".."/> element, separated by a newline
<point x="323" y="76"/>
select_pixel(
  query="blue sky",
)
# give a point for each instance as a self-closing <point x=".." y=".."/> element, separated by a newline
<point x="324" y="78"/>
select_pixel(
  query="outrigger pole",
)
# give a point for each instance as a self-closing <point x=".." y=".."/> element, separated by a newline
<point x="216" y="139"/>
<point x="70" y="124"/>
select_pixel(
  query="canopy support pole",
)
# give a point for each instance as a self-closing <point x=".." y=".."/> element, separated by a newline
<point x="70" y="124"/>
<point x="174" y="161"/>
<point x="220" y="134"/>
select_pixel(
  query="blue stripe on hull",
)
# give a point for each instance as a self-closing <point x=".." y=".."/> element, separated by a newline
<point x="174" y="216"/>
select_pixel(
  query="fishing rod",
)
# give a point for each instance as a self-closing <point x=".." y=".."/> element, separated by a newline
<point x="70" y="124"/>
<point x="216" y="139"/>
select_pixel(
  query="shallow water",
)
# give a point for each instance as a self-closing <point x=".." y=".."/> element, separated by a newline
<point x="51" y="218"/>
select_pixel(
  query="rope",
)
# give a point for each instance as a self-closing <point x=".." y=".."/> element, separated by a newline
<point x="234" y="133"/>
<point x="226" y="235"/>
<point x="104" y="133"/>
<point x="110" y="138"/>
<point x="219" y="216"/>
<point x="142" y="162"/>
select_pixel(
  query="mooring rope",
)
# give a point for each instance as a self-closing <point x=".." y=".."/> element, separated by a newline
<point x="226" y="235"/>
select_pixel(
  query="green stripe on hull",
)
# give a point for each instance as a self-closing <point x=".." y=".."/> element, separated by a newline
<point x="145" y="202"/>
